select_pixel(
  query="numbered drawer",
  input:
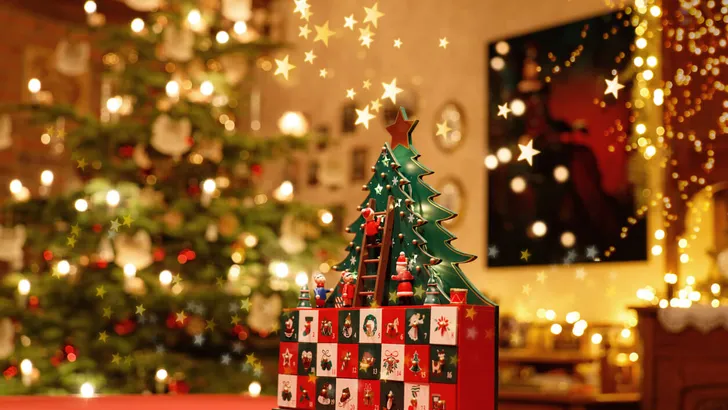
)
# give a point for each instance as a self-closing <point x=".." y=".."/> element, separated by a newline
<point x="307" y="353"/>
<point x="443" y="396"/>
<point x="417" y="363"/>
<point x="287" y="385"/>
<point x="348" y="326"/>
<point x="392" y="362"/>
<point x="328" y="325"/>
<point x="391" y="395"/>
<point x="308" y="326"/>
<point x="370" y="330"/>
<point x="306" y="394"/>
<point x="348" y="355"/>
<point x="443" y="364"/>
<point x="288" y="358"/>
<point x="394" y="328"/>
<point x="326" y="359"/>
<point x="417" y="396"/>
<point x="370" y="361"/>
<point x="325" y="393"/>
<point x="417" y="322"/>
<point x="369" y="395"/>
<point x="289" y="326"/>
<point x="347" y="394"/>
<point x="444" y="325"/>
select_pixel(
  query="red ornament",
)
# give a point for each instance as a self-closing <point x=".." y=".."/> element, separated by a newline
<point x="71" y="357"/>
<point x="55" y="361"/>
<point x="171" y="321"/>
<point x="96" y="228"/>
<point x="33" y="302"/>
<point x="190" y="141"/>
<point x="124" y="327"/>
<point x="69" y="349"/>
<point x="193" y="190"/>
<point x="10" y="372"/>
<point x="237" y="329"/>
<point x="47" y="255"/>
<point x="190" y="254"/>
<point x="126" y="151"/>
<point x="158" y="254"/>
<point x="182" y="259"/>
<point x="101" y="264"/>
<point x="179" y="387"/>
<point x="256" y="169"/>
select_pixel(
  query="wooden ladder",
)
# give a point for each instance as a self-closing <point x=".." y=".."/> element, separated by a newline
<point x="366" y="296"/>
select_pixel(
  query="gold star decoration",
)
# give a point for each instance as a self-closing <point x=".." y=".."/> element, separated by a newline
<point x="115" y="224"/>
<point x="283" y="67"/>
<point x="245" y="304"/>
<point x="235" y="319"/>
<point x="220" y="281"/>
<point x="81" y="163"/>
<point x="310" y="56"/>
<point x="444" y="42"/>
<point x="393" y="297"/>
<point x="397" y="43"/>
<point x="376" y="105"/>
<point x="250" y="359"/>
<point x="115" y="359"/>
<point x="527" y="152"/>
<point x="374" y="304"/>
<point x="71" y="241"/>
<point x="100" y="291"/>
<point x="312" y="378"/>
<point x="304" y="31"/>
<point x="140" y="310"/>
<point x="525" y="255"/>
<point x="526" y="289"/>
<point x="50" y="130"/>
<point x="61" y="133"/>
<point x="541" y="277"/>
<point x="489" y="334"/>
<point x="56" y="274"/>
<point x="75" y="230"/>
<point x="128" y="220"/>
<point x="301" y="7"/>
<point x="210" y="325"/>
<point x="391" y="90"/>
<point x="366" y="84"/>
<point x="443" y="129"/>
<point x="258" y="367"/>
<point x="128" y="360"/>
<point x="103" y="336"/>
<point x="306" y="14"/>
<point x="323" y="33"/>
<point x="181" y="317"/>
<point x="176" y="279"/>
<point x="350" y="93"/>
<point x="366" y="36"/>
<point x="613" y="87"/>
<point x="363" y="117"/>
<point x="419" y="291"/>
<point x="349" y="22"/>
<point x="107" y="312"/>
<point x="503" y="110"/>
<point x="373" y="14"/>
<point x="471" y="313"/>
<point x="454" y="360"/>
<point x="323" y="73"/>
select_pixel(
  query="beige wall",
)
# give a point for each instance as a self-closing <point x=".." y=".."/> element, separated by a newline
<point x="437" y="75"/>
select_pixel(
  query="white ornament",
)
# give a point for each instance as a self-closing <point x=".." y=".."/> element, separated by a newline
<point x="291" y="239"/>
<point x="210" y="150"/>
<point x="211" y="233"/>
<point x="264" y="312"/>
<point x="169" y="136"/>
<point x="6" y="131"/>
<point x="722" y="261"/>
<point x="237" y="10"/>
<point x="106" y="251"/>
<point x="178" y="44"/>
<point x="11" y="245"/>
<point x="135" y="250"/>
<point x="140" y="157"/>
<point x="7" y="338"/>
<point x="72" y="58"/>
<point x="143" y="5"/>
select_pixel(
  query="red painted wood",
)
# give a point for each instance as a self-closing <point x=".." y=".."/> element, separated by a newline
<point x="185" y="402"/>
<point x="477" y="365"/>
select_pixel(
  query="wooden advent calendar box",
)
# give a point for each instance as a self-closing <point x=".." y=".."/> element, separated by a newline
<point x="388" y="358"/>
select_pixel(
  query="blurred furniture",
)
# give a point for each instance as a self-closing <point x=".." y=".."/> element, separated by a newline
<point x="139" y="402"/>
<point x="686" y="369"/>
<point x="539" y="401"/>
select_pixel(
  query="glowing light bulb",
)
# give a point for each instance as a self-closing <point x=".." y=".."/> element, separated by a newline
<point x="63" y="267"/>
<point x="280" y="269"/>
<point x="550" y="315"/>
<point x="113" y="104"/>
<point x="89" y="7"/>
<point x="34" y="85"/>
<point x="161" y="375"/>
<point x="209" y="186"/>
<point x="655" y="11"/>
<point x="172" y="89"/>
<point x="518" y="107"/>
<point x="301" y="278"/>
<point x="657" y="250"/>
<point x="26" y="367"/>
<point x="81" y="205"/>
<point x="113" y="198"/>
<point x="194" y="17"/>
<point x="240" y="27"/>
<point x="568" y="239"/>
<point x="165" y="277"/>
<point x="497" y="63"/>
<point x="684" y="258"/>
<point x="491" y="162"/>
<point x="670" y="278"/>
<point x="504" y="155"/>
<point x="596" y="338"/>
<point x="641" y="42"/>
<point x="16" y="186"/>
<point x="137" y="25"/>
<point x="683" y="243"/>
<point x="639" y="61"/>
<point x="46" y="177"/>
<point x="640" y="128"/>
<point x="24" y="287"/>
<point x="539" y="228"/>
<point x="648" y="75"/>
<point x="250" y="240"/>
<point x="326" y="217"/>
<point x="87" y="390"/>
<point x="234" y="272"/>
<point x="206" y="88"/>
<point x="254" y="389"/>
<point x="222" y="37"/>
<point x="561" y="174"/>
<point x="572" y="317"/>
<point x="651" y="61"/>
<point x="556" y="328"/>
<point x="293" y="123"/>
<point x="659" y="234"/>
<point x="130" y="270"/>
<point x="633" y="357"/>
<point x="518" y="185"/>
<point x="625" y="333"/>
<point x="715" y="288"/>
<point x="502" y="48"/>
<point x="285" y="191"/>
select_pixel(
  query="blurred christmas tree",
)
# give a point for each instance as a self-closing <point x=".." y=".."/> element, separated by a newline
<point x="168" y="253"/>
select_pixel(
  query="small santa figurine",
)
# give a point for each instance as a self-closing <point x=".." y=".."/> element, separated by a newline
<point x="405" y="278"/>
<point x="371" y="224"/>
<point x="320" y="291"/>
<point x="347" y="288"/>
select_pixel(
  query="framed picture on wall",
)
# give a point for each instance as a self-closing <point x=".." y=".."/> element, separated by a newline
<point x="569" y="206"/>
<point x="452" y="197"/>
<point x="312" y="174"/>
<point x="348" y="118"/>
<point x="358" y="164"/>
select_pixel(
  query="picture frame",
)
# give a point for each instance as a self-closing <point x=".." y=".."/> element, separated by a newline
<point x="453" y="116"/>
<point x="359" y="164"/>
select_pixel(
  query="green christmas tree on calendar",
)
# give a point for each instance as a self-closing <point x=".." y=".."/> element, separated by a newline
<point x="400" y="212"/>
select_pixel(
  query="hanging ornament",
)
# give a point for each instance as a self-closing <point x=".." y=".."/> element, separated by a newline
<point x="135" y="250"/>
<point x="178" y="43"/>
<point x="106" y="251"/>
<point x="235" y="66"/>
<point x="237" y="10"/>
<point x="143" y="5"/>
<point x="332" y="173"/>
<point x="6" y="131"/>
<point x="291" y="239"/>
<point x="264" y="312"/>
<point x="7" y="338"/>
<point x="228" y="225"/>
<point x="210" y="150"/>
<point x="171" y="137"/>
<point x="211" y="233"/>
<point x="140" y="157"/>
<point x="72" y="57"/>
<point x="11" y="245"/>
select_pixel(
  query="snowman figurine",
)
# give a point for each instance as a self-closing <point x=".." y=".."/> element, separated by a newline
<point x="405" y="278"/>
<point x="320" y="291"/>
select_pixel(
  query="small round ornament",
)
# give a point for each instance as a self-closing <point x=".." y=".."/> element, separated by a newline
<point x="170" y="136"/>
<point x="72" y="57"/>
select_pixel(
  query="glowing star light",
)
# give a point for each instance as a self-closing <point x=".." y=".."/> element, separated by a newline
<point x="323" y="33"/>
<point x="304" y="31"/>
<point x="376" y="105"/>
<point x="391" y="90"/>
<point x="443" y="129"/>
<point x="302" y="7"/>
<point x="310" y="56"/>
<point x="503" y="110"/>
<point x="366" y="84"/>
<point x="349" y="22"/>
<point x="444" y="42"/>
<point x="283" y="67"/>
<point x="350" y="93"/>
<point x="366" y="36"/>
<point x="323" y="73"/>
<point x="363" y="117"/>
<point x="397" y="43"/>
<point x="373" y="14"/>
<point x="613" y="87"/>
<point x="527" y="152"/>
<point x="525" y="255"/>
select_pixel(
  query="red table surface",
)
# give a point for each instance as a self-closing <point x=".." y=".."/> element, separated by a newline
<point x="183" y="402"/>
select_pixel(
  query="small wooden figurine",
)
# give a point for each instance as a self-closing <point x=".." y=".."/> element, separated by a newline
<point x="320" y="291"/>
<point x="405" y="278"/>
<point x="347" y="288"/>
